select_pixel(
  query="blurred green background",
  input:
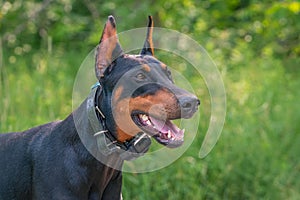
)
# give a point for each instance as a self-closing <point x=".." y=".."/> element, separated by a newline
<point x="255" y="44"/>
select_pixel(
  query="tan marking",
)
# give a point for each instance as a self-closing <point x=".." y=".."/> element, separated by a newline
<point x="149" y="34"/>
<point x="126" y="128"/>
<point x="162" y="103"/>
<point x="117" y="94"/>
<point x="164" y="66"/>
<point x="146" y="67"/>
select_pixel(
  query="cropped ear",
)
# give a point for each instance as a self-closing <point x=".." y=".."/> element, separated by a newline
<point x="108" y="49"/>
<point x="148" y="45"/>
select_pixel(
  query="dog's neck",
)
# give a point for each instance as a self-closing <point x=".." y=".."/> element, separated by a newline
<point x="90" y="125"/>
<point x="84" y="128"/>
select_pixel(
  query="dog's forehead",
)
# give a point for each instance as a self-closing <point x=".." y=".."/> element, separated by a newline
<point x="142" y="60"/>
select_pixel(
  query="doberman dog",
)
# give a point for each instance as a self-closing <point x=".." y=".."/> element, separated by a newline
<point x="135" y="99"/>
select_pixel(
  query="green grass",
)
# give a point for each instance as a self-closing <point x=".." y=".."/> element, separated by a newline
<point x="257" y="156"/>
<point x="36" y="90"/>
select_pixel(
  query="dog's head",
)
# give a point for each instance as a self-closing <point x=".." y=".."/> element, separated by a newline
<point x="138" y="91"/>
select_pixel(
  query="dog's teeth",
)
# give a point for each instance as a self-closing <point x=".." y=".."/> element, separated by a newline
<point x="148" y="122"/>
<point x="145" y="117"/>
<point x="169" y="134"/>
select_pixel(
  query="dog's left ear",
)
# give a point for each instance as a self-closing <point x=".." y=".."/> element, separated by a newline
<point x="108" y="49"/>
<point x="148" y="45"/>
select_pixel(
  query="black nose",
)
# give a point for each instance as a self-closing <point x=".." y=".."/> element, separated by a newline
<point x="189" y="105"/>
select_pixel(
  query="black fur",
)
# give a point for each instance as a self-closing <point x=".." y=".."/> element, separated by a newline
<point x="50" y="162"/>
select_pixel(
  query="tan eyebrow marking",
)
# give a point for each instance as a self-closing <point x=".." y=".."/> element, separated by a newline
<point x="146" y="67"/>
<point x="164" y="66"/>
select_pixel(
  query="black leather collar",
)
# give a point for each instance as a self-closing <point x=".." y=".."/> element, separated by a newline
<point x="106" y="142"/>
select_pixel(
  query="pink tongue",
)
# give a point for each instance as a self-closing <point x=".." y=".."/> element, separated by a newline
<point x="164" y="126"/>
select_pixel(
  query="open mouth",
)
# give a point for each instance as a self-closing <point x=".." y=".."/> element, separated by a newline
<point x="162" y="130"/>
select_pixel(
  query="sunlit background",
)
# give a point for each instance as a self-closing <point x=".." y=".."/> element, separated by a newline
<point x="255" y="44"/>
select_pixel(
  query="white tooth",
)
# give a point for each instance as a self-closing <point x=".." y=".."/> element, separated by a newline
<point x="145" y="117"/>
<point x="169" y="134"/>
<point x="148" y="122"/>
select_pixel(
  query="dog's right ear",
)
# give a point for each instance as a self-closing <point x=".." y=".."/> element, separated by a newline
<point x="148" y="48"/>
<point x="108" y="49"/>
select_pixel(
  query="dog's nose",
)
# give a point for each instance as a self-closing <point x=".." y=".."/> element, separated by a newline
<point x="189" y="105"/>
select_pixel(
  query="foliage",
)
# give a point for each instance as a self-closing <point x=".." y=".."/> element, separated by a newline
<point x="255" y="44"/>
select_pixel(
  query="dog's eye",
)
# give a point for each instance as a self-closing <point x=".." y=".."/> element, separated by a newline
<point x="141" y="77"/>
